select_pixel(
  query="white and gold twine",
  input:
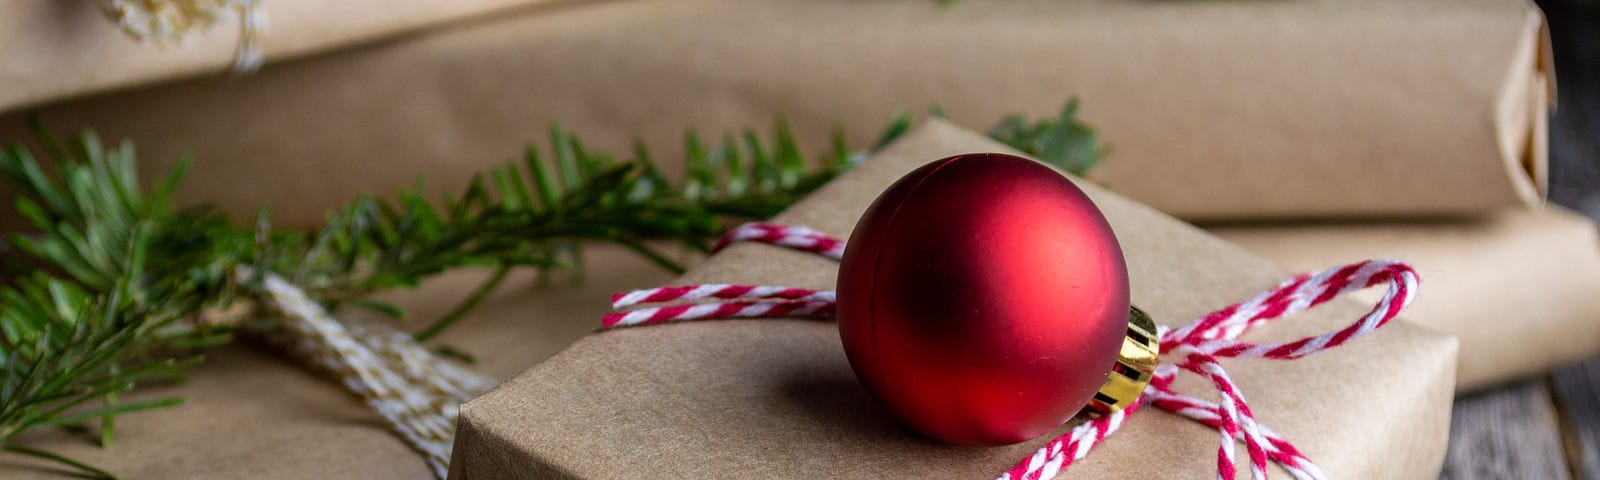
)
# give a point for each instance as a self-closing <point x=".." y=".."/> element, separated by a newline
<point x="415" y="391"/>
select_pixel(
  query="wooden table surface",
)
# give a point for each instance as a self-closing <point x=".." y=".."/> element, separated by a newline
<point x="1542" y="428"/>
<point x="1548" y="427"/>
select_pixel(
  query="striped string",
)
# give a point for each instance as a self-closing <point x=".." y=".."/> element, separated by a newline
<point x="1195" y="347"/>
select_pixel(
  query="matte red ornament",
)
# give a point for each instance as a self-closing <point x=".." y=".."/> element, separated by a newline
<point x="983" y="299"/>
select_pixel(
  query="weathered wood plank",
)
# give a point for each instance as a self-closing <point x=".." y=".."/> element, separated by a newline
<point x="1577" y="390"/>
<point x="1505" y="433"/>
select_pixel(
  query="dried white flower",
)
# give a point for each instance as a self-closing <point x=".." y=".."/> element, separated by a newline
<point x="170" y="21"/>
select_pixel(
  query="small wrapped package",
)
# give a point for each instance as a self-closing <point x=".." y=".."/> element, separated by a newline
<point x="777" y="399"/>
<point x="1517" y="287"/>
<point x="1213" y="110"/>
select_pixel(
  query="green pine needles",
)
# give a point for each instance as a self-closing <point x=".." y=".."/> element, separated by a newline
<point x="118" y="285"/>
<point x="1063" y="141"/>
<point x="84" y="311"/>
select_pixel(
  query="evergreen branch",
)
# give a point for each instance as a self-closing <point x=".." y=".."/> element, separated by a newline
<point x="1064" y="142"/>
<point x="115" y="283"/>
<point x="460" y="310"/>
<point x="84" y="470"/>
<point x="95" y="312"/>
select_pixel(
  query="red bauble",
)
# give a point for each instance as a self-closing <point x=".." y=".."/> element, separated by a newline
<point x="983" y="298"/>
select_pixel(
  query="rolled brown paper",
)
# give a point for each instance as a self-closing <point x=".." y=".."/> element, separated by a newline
<point x="722" y="399"/>
<point x="1214" y="110"/>
<point x="55" y="50"/>
<point x="1518" y="288"/>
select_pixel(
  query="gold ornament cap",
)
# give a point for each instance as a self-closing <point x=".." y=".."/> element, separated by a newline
<point x="1136" y="363"/>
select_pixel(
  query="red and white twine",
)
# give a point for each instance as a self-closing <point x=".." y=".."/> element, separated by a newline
<point x="754" y="302"/>
<point x="1195" y="347"/>
<point x="798" y="238"/>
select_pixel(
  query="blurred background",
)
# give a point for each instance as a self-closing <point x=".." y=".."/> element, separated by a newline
<point x="1462" y="136"/>
<point x="1574" y="141"/>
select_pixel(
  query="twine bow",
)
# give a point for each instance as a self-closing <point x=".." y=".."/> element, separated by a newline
<point x="1195" y="347"/>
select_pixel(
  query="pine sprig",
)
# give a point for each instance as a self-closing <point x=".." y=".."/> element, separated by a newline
<point x="1064" y="141"/>
<point x="95" y="312"/>
<point x="67" y="348"/>
<point x="536" y="212"/>
<point x="114" y="286"/>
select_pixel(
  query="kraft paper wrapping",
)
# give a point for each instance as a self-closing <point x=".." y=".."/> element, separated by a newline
<point x="252" y="414"/>
<point x="1518" y="288"/>
<point x="1212" y="109"/>
<point x="59" y="49"/>
<point x="723" y="399"/>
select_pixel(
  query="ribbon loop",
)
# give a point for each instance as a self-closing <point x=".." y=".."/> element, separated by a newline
<point x="797" y="238"/>
<point x="1194" y="347"/>
<point x="1296" y="296"/>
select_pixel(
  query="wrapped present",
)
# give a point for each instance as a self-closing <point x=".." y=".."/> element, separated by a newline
<point x="1212" y="109"/>
<point x="56" y="50"/>
<point x="251" y="412"/>
<point x="724" y="399"/>
<point x="1517" y="287"/>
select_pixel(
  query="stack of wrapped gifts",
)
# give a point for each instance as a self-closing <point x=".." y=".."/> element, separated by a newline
<point x="1244" y="141"/>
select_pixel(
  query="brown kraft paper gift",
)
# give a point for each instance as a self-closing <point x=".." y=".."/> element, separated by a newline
<point x="776" y="399"/>
<point x="1212" y="109"/>
<point x="1517" y="287"/>
<point x="55" y="50"/>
